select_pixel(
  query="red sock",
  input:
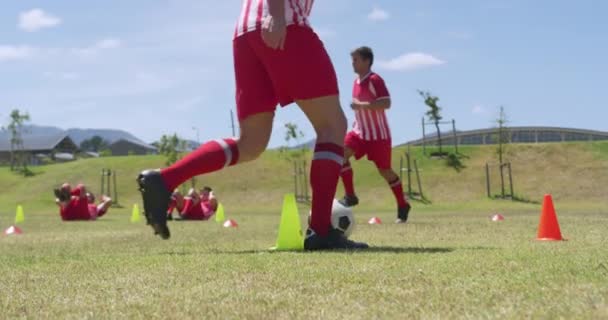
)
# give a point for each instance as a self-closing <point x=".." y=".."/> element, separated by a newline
<point x="398" y="192"/>
<point x="188" y="204"/>
<point x="172" y="205"/>
<point x="211" y="156"/>
<point x="347" y="179"/>
<point x="324" y="175"/>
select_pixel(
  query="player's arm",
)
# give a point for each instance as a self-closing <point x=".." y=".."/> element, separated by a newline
<point x="383" y="98"/>
<point x="274" y="27"/>
<point x="378" y="104"/>
<point x="276" y="8"/>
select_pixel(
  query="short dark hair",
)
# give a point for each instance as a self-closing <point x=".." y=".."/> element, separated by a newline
<point x="208" y="189"/>
<point x="366" y="53"/>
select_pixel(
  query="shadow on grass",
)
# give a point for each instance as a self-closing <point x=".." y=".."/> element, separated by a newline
<point x="515" y="198"/>
<point x="373" y="249"/>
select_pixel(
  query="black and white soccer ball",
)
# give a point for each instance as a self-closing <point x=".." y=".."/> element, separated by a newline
<point x="342" y="218"/>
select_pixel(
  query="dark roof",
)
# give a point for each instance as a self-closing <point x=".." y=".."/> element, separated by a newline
<point x="135" y="142"/>
<point x="34" y="142"/>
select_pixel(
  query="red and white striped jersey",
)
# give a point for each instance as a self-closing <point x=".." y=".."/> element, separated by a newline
<point x="371" y="124"/>
<point x="253" y="13"/>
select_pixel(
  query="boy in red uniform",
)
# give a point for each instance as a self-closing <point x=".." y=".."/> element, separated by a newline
<point x="371" y="135"/>
<point x="73" y="204"/>
<point x="194" y="206"/>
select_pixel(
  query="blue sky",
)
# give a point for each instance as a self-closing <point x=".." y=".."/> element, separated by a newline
<point x="110" y="64"/>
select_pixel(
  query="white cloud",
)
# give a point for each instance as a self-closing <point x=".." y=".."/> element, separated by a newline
<point x="108" y="43"/>
<point x="104" y="44"/>
<point x="37" y="19"/>
<point x="478" y="109"/>
<point x="411" y="61"/>
<point x="378" y="14"/>
<point x="8" y="53"/>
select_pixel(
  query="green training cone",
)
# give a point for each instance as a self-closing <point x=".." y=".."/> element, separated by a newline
<point x="219" y="215"/>
<point x="135" y="217"/>
<point x="19" y="216"/>
<point x="290" y="232"/>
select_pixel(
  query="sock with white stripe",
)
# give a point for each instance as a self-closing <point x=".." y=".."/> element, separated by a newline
<point x="347" y="175"/>
<point x="397" y="189"/>
<point x="324" y="175"/>
<point x="209" y="157"/>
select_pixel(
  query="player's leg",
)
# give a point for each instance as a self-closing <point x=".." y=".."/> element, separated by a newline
<point x="381" y="155"/>
<point x="303" y="73"/>
<point x="256" y="102"/>
<point x="188" y="203"/>
<point x="352" y="147"/>
<point x="329" y="123"/>
<point x="104" y="205"/>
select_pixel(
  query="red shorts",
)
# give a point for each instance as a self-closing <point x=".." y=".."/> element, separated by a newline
<point x="76" y="209"/>
<point x="201" y="210"/>
<point x="378" y="151"/>
<point x="267" y="77"/>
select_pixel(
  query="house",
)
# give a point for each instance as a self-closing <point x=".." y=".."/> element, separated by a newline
<point x="125" y="147"/>
<point x="56" y="147"/>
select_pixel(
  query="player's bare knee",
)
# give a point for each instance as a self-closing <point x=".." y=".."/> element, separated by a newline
<point x="333" y="131"/>
<point x="388" y="174"/>
<point x="250" y="148"/>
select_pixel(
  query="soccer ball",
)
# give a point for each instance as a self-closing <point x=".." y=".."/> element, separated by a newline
<point x="342" y="218"/>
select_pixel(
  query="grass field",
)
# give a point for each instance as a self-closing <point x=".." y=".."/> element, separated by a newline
<point x="450" y="261"/>
<point x="440" y="265"/>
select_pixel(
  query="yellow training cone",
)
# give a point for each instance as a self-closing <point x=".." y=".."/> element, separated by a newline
<point x="19" y="216"/>
<point x="290" y="232"/>
<point x="135" y="217"/>
<point x="219" y="215"/>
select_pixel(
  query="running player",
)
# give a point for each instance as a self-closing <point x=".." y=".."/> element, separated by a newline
<point x="371" y="135"/>
<point x="278" y="59"/>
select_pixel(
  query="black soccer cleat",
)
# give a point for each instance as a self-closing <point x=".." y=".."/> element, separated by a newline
<point x="403" y="213"/>
<point x="349" y="201"/>
<point x="156" y="200"/>
<point x="334" y="240"/>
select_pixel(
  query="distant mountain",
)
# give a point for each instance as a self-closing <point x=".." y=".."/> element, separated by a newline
<point x="110" y="135"/>
<point x="78" y="135"/>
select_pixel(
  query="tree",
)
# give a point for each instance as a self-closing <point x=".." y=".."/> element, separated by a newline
<point x="94" y="144"/>
<point x="433" y="113"/>
<point x="168" y="146"/>
<point x="503" y="135"/>
<point x="293" y="133"/>
<point x="15" y="126"/>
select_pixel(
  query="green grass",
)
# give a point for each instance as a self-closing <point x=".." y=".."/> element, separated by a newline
<point x="576" y="174"/>
<point x="449" y="262"/>
<point x="441" y="265"/>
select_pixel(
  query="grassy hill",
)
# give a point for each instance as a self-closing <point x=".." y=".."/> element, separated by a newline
<point x="575" y="173"/>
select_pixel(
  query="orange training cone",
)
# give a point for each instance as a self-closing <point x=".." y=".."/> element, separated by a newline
<point x="375" y="220"/>
<point x="548" y="228"/>
<point x="230" y="224"/>
<point x="12" y="230"/>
